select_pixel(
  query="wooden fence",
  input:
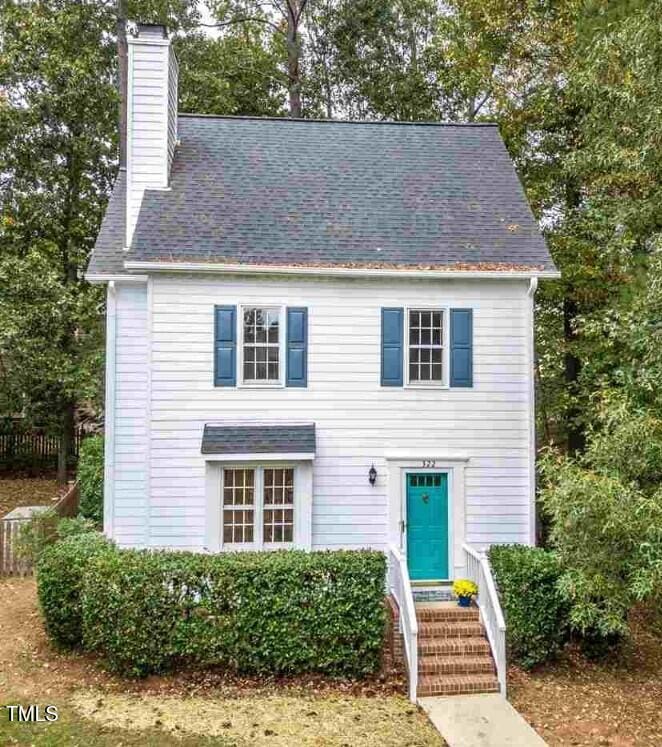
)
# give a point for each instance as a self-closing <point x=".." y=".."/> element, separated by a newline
<point x="33" y="450"/>
<point x="10" y="528"/>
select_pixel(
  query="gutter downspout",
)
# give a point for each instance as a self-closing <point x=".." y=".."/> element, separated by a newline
<point x="109" y="418"/>
<point x="531" y="362"/>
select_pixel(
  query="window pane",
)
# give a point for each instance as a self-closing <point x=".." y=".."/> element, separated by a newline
<point x="260" y="344"/>
<point x="425" y="346"/>
<point x="238" y="494"/>
<point x="278" y="505"/>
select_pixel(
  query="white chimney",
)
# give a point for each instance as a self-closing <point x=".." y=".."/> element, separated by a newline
<point x="151" y="116"/>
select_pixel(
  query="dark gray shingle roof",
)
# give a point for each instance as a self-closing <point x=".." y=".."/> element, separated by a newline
<point x="258" y="439"/>
<point x="297" y="192"/>
<point x="109" y="255"/>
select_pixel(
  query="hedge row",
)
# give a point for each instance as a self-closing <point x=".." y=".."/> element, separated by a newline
<point x="281" y="612"/>
<point x="60" y="571"/>
<point x="90" y="478"/>
<point x="535" y="611"/>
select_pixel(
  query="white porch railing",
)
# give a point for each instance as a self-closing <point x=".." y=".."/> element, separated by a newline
<point x="479" y="571"/>
<point x="400" y="588"/>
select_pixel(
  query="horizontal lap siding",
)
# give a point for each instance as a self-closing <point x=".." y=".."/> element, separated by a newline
<point x="357" y="420"/>
<point x="131" y="416"/>
<point x="148" y="138"/>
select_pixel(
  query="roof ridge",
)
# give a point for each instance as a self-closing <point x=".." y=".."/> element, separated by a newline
<point x="420" y="123"/>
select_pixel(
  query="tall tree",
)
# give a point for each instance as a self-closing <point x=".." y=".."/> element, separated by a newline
<point x="58" y="117"/>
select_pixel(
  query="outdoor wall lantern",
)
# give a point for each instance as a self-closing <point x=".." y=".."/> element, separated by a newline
<point x="372" y="475"/>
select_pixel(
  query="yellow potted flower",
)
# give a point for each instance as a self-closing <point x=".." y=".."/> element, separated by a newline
<point x="464" y="590"/>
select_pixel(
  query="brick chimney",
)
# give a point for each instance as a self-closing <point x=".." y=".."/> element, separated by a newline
<point x="151" y="116"/>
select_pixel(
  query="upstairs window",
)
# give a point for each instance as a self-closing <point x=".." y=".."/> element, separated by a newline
<point x="261" y="343"/>
<point x="426" y="344"/>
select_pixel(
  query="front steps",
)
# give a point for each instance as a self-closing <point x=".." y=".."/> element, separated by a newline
<point x="453" y="652"/>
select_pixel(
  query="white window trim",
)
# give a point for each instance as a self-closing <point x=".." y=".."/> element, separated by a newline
<point x="445" y="357"/>
<point x="282" y="347"/>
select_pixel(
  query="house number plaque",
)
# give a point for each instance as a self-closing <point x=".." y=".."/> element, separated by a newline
<point x="427" y="463"/>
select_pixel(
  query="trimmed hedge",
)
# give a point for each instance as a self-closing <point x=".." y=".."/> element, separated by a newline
<point x="90" y="477"/>
<point x="60" y="570"/>
<point x="536" y="614"/>
<point x="280" y="612"/>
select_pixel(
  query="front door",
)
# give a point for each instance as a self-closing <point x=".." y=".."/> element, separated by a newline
<point x="427" y="526"/>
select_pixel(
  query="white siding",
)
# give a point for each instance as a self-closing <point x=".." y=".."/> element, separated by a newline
<point x="149" y="94"/>
<point x="130" y="485"/>
<point x="173" y="76"/>
<point x="358" y="421"/>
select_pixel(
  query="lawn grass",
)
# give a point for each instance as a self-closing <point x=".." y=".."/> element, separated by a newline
<point x="73" y="730"/>
<point x="213" y="709"/>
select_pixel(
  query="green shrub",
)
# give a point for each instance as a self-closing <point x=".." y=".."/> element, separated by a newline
<point x="90" y="478"/>
<point x="607" y="533"/>
<point x="60" y="570"/>
<point x="37" y="533"/>
<point x="45" y="528"/>
<point x="281" y="612"/>
<point x="535" y="611"/>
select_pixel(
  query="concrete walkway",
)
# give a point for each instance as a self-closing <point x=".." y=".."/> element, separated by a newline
<point x="479" y="721"/>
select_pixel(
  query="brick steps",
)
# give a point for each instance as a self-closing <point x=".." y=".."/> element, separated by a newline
<point x="456" y="684"/>
<point x="460" y="629"/>
<point x="454" y="654"/>
<point x="441" y="614"/>
<point x="456" y="665"/>
<point x="449" y="646"/>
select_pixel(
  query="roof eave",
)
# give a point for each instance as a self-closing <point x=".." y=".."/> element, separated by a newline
<point x="244" y="269"/>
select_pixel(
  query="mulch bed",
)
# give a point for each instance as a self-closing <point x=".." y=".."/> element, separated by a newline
<point x="617" y="702"/>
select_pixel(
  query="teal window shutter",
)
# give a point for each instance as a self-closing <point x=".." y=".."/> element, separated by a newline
<point x="461" y="348"/>
<point x="297" y="347"/>
<point x="392" y="346"/>
<point x="225" y="346"/>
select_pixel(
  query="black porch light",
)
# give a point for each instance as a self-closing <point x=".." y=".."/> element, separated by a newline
<point x="372" y="475"/>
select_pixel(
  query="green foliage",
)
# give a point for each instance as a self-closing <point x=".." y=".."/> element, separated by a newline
<point x="57" y="116"/>
<point x="281" y="612"/>
<point x="60" y="570"/>
<point x="45" y="528"/>
<point x="90" y="478"/>
<point x="536" y="612"/>
<point x="608" y="535"/>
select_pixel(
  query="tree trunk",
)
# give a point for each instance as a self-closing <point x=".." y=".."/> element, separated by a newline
<point x="122" y="78"/>
<point x="293" y="58"/>
<point x="66" y="445"/>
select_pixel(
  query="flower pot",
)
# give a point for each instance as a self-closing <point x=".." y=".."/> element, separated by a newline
<point x="464" y="601"/>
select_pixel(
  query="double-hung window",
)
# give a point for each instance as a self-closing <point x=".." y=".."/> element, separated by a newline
<point x="426" y="347"/>
<point x="261" y="345"/>
<point x="258" y="507"/>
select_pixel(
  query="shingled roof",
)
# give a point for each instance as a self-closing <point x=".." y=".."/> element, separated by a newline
<point x="332" y="194"/>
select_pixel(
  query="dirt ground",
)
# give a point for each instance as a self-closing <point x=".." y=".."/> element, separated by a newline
<point x="197" y="709"/>
<point x="573" y="702"/>
<point x="26" y="491"/>
<point x="577" y="702"/>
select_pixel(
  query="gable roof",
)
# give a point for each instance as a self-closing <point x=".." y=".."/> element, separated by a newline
<point x="312" y="193"/>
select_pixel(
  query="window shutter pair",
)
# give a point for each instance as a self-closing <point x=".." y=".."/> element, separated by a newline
<point x="225" y="346"/>
<point x="461" y="347"/>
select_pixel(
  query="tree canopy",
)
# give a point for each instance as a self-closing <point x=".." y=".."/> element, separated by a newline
<point x="576" y="87"/>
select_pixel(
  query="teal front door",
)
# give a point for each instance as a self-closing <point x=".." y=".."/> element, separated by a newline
<point x="427" y="526"/>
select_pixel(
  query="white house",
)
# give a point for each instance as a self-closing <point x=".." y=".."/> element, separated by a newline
<point x="319" y="333"/>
